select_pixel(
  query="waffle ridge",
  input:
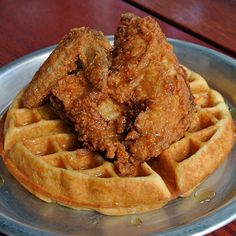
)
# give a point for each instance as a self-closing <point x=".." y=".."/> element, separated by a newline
<point x="40" y="151"/>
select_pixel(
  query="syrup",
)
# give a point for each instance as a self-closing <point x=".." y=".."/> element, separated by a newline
<point x="136" y="221"/>
<point x="204" y="195"/>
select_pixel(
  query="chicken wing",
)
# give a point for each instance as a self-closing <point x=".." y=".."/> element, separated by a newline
<point x="81" y="48"/>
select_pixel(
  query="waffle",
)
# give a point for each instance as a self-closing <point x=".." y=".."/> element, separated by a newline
<point x="40" y="152"/>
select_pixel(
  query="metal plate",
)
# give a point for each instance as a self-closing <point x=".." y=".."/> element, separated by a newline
<point x="23" y="214"/>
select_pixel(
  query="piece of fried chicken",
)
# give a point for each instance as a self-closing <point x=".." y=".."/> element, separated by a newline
<point x="146" y="76"/>
<point x="94" y="114"/>
<point x="81" y="49"/>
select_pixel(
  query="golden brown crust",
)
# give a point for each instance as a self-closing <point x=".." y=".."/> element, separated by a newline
<point x="145" y="74"/>
<point x="77" y="50"/>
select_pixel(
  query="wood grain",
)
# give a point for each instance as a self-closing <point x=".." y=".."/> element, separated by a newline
<point x="30" y="25"/>
<point x="211" y="20"/>
<point x="228" y="230"/>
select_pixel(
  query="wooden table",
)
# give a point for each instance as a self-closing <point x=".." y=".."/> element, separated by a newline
<point x="213" y="21"/>
<point x="26" y="26"/>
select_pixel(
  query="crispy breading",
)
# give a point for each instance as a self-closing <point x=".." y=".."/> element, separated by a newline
<point x="145" y="75"/>
<point x="82" y="97"/>
<point x="80" y="48"/>
<point x="92" y="112"/>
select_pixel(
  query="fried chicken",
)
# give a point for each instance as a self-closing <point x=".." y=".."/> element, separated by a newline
<point x="146" y="93"/>
<point x="81" y="48"/>
<point x="146" y="76"/>
<point x="94" y="115"/>
<point x="130" y="105"/>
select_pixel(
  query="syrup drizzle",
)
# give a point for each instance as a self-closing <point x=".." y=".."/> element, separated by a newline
<point x="204" y="195"/>
<point x="136" y="221"/>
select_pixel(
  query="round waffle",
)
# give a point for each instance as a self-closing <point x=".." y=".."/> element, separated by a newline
<point x="40" y="152"/>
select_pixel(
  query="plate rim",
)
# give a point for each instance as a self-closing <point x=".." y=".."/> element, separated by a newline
<point x="203" y="225"/>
